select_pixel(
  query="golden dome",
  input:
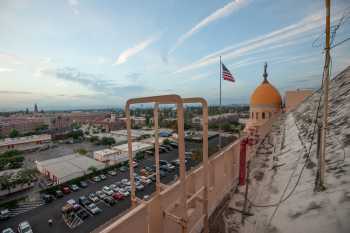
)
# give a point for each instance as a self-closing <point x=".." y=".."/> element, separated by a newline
<point x="266" y="95"/>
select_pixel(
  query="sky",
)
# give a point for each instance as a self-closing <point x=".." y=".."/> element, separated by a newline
<point x="71" y="54"/>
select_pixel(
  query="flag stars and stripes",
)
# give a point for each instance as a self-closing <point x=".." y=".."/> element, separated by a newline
<point x="226" y="74"/>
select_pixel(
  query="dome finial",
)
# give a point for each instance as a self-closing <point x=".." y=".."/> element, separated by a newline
<point x="265" y="73"/>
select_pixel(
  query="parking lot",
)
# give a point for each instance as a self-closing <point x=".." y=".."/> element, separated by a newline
<point x="38" y="217"/>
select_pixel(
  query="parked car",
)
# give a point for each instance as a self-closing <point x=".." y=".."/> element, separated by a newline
<point x="173" y="144"/>
<point x="8" y="230"/>
<point x="123" y="169"/>
<point x="164" y="168"/>
<point x="149" y="169"/>
<point x="82" y="214"/>
<point x="118" y="196"/>
<point x="4" y="214"/>
<point x="107" y="190"/>
<point x="112" y="172"/>
<point x="101" y="194"/>
<point x="58" y="194"/>
<point x="93" y="197"/>
<point x="74" y="204"/>
<point x="165" y="149"/>
<point x="168" y="147"/>
<point x="124" y="192"/>
<point x="66" y="190"/>
<point x="94" y="209"/>
<point x="24" y="227"/>
<point x="125" y="182"/>
<point x="145" y="180"/>
<point x="83" y="184"/>
<point x="176" y="162"/>
<point x="47" y="198"/>
<point x="74" y="187"/>
<point x="188" y="155"/>
<point x="139" y="186"/>
<point x="109" y="200"/>
<point x="103" y="177"/>
<point x="162" y="173"/>
<point x="96" y="179"/>
<point x="84" y="201"/>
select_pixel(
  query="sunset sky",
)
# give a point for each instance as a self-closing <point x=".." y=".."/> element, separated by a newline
<point x="93" y="54"/>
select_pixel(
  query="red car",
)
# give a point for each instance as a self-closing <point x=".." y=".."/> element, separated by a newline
<point x="65" y="190"/>
<point x="118" y="196"/>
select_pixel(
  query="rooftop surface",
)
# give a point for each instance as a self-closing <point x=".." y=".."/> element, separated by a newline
<point x="282" y="196"/>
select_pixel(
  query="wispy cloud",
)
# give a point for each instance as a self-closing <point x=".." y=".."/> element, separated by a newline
<point x="74" y="5"/>
<point x="3" y="70"/>
<point x="95" y="82"/>
<point x="284" y="37"/>
<point x="226" y="10"/>
<point x="130" y="52"/>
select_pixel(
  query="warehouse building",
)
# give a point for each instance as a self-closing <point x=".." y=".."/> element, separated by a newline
<point x="25" y="143"/>
<point x="68" y="167"/>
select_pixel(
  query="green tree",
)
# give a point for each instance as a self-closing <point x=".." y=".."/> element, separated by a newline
<point x="107" y="141"/>
<point x="81" y="151"/>
<point x="92" y="169"/>
<point x="14" y="133"/>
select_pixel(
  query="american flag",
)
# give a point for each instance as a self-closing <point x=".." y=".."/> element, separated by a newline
<point x="226" y="74"/>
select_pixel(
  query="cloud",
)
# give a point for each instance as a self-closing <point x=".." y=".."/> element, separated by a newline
<point x="301" y="31"/>
<point x="226" y="10"/>
<point x="74" y="4"/>
<point x="3" y="70"/>
<point x="130" y="52"/>
<point x="93" y="81"/>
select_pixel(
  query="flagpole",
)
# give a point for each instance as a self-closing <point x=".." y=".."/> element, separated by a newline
<point x="220" y="106"/>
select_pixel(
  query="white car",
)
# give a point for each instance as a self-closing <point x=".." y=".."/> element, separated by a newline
<point x="101" y="194"/>
<point x="124" y="192"/>
<point x="125" y="182"/>
<point x="107" y="190"/>
<point x="145" y="180"/>
<point x="93" y="197"/>
<point x="94" y="209"/>
<point x="8" y="230"/>
<point x="24" y="227"/>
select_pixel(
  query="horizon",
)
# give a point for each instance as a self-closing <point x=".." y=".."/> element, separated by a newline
<point x="84" y="55"/>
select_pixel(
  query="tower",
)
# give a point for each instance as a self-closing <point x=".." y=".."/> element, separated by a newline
<point x="265" y="102"/>
<point x="36" y="108"/>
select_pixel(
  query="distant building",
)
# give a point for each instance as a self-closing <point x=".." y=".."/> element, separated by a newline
<point x="111" y="156"/>
<point x="295" y="97"/>
<point x="136" y="147"/>
<point x="226" y="117"/>
<point x="25" y="143"/>
<point x="36" y="108"/>
<point x="22" y="124"/>
<point x="67" y="167"/>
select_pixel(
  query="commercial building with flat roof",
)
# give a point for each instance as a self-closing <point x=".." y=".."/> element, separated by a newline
<point x="110" y="156"/>
<point x="136" y="147"/>
<point x="67" y="167"/>
<point x="25" y="143"/>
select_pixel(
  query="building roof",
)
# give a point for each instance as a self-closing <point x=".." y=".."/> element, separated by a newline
<point x="136" y="146"/>
<point x="21" y="140"/>
<point x="69" y="165"/>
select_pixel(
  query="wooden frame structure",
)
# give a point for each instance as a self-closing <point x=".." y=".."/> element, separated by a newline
<point x="202" y="194"/>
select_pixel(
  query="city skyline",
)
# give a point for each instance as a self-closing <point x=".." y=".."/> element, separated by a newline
<point x="91" y="54"/>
